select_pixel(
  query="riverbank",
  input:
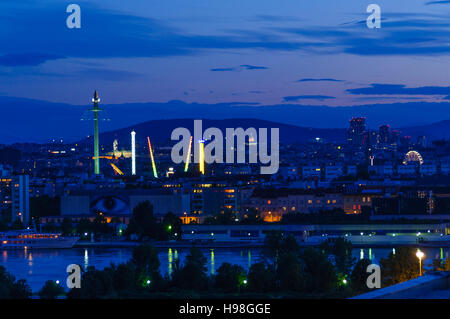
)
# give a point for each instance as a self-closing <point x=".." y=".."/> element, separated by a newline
<point x="249" y="244"/>
<point x="167" y="244"/>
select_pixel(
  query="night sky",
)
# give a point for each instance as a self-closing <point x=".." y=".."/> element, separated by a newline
<point x="217" y="51"/>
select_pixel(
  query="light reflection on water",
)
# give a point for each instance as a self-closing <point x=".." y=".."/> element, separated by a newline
<point x="38" y="266"/>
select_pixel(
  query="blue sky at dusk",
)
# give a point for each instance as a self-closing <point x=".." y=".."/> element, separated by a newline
<point x="216" y="51"/>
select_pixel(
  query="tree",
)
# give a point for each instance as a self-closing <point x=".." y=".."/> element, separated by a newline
<point x="100" y="225"/>
<point x="321" y="273"/>
<point x="290" y="272"/>
<point x="399" y="267"/>
<point x="358" y="278"/>
<point x="50" y="290"/>
<point x="12" y="289"/>
<point x="230" y="278"/>
<point x="272" y="244"/>
<point x="171" y="225"/>
<point x="66" y="226"/>
<point x="145" y="258"/>
<point x="342" y="252"/>
<point x="261" y="278"/>
<point x="125" y="277"/>
<point x="192" y="275"/>
<point x="84" y="226"/>
<point x="143" y="221"/>
<point x="441" y="265"/>
<point x="276" y="244"/>
<point x="95" y="284"/>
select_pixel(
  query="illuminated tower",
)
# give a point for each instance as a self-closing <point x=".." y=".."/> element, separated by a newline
<point x="188" y="157"/>
<point x="133" y="153"/>
<point x="96" y="109"/>
<point x="155" y="173"/>
<point x="202" y="157"/>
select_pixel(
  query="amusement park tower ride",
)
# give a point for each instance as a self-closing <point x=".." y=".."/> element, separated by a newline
<point x="96" y="109"/>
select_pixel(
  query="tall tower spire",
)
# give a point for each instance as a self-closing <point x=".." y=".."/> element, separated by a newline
<point x="96" y="109"/>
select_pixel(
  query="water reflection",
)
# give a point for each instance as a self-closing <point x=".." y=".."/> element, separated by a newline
<point x="213" y="270"/>
<point x="86" y="259"/>
<point x="170" y="261"/>
<point x="38" y="266"/>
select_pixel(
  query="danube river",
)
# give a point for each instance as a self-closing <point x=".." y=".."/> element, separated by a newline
<point x="38" y="266"/>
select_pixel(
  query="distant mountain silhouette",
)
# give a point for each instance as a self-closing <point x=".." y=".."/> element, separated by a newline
<point x="435" y="131"/>
<point x="160" y="131"/>
<point x="27" y="120"/>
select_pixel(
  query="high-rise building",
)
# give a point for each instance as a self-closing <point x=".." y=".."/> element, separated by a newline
<point x="5" y="194"/>
<point x="385" y="134"/>
<point x="20" y="208"/>
<point x="356" y="132"/>
<point x="395" y="137"/>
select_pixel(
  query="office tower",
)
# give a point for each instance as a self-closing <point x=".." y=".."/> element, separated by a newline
<point x="356" y="132"/>
<point x="385" y="134"/>
<point x="20" y="208"/>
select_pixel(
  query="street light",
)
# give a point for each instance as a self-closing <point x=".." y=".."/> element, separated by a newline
<point x="420" y="255"/>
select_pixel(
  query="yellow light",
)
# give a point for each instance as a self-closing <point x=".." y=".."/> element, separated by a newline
<point x="155" y="173"/>
<point x="116" y="169"/>
<point x="419" y="254"/>
<point x="202" y="157"/>
<point x="188" y="157"/>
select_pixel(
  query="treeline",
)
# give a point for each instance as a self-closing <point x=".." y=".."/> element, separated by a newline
<point x="143" y="225"/>
<point x="285" y="270"/>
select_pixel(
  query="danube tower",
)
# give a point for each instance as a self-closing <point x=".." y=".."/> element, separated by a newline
<point x="96" y="109"/>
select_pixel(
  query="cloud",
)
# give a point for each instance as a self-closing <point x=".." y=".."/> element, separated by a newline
<point x="307" y="97"/>
<point x="222" y="70"/>
<point x="400" y="34"/>
<point x="399" y="89"/>
<point x="319" y="80"/>
<point x="109" y="74"/>
<point x="437" y="2"/>
<point x="109" y="34"/>
<point x="274" y="18"/>
<point x="253" y="67"/>
<point x="27" y="59"/>
<point x="239" y="68"/>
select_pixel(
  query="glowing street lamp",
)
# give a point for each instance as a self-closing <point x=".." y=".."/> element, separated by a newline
<point x="420" y="255"/>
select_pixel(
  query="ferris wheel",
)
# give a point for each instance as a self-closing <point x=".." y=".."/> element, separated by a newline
<point x="413" y="156"/>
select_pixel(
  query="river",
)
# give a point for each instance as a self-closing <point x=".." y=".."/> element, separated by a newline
<point x="38" y="266"/>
